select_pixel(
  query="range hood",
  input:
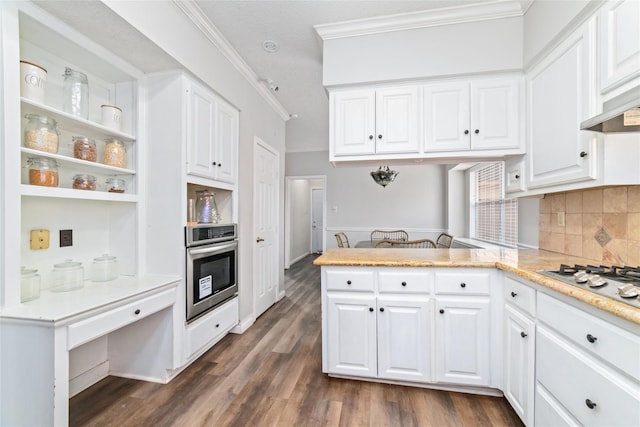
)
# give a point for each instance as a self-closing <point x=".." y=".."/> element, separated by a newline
<point x="624" y="108"/>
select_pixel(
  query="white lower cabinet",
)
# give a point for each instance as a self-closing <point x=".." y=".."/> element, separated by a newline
<point x="205" y="331"/>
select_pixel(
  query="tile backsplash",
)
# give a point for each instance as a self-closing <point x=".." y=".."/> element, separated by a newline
<point x="602" y="224"/>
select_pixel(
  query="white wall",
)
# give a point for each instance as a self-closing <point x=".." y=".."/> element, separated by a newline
<point x="474" y="47"/>
<point x="173" y="32"/>
<point x="300" y="218"/>
<point x="415" y="201"/>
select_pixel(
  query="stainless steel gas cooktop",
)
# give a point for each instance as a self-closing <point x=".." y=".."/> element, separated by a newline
<point x="618" y="283"/>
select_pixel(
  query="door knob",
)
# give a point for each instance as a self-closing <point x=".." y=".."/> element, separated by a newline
<point x="259" y="239"/>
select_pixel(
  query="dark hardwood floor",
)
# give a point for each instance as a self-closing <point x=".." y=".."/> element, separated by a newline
<point x="272" y="376"/>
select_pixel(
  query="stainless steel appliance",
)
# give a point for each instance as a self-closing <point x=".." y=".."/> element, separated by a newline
<point x="619" y="114"/>
<point x="618" y="283"/>
<point x="212" y="265"/>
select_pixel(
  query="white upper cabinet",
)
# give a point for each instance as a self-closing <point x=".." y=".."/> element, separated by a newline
<point x="212" y="135"/>
<point x="480" y="115"/>
<point x="559" y="89"/>
<point x="374" y="121"/>
<point x="619" y="43"/>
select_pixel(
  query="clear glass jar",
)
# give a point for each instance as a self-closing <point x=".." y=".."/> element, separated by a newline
<point x="84" y="148"/>
<point x="76" y="93"/>
<point x="29" y="284"/>
<point x="104" y="268"/>
<point x="206" y="207"/>
<point x="115" y="153"/>
<point x="67" y="276"/>
<point x="43" y="171"/>
<point x="41" y="133"/>
<point x="116" y="185"/>
<point x="84" y="182"/>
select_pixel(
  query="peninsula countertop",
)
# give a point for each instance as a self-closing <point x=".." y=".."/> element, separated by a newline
<point x="522" y="262"/>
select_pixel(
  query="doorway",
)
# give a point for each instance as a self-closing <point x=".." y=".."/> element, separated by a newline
<point x="305" y="206"/>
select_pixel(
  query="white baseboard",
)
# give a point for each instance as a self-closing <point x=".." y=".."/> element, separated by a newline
<point x="243" y="325"/>
<point x="293" y="261"/>
<point x="88" y="378"/>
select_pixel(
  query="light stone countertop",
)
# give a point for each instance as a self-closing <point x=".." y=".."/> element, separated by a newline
<point x="522" y="262"/>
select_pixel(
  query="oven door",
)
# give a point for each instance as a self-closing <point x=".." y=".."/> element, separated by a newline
<point x="211" y="276"/>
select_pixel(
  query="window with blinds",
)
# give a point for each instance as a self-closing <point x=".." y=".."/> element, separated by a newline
<point x="493" y="218"/>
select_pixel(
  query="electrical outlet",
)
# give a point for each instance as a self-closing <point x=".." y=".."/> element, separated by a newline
<point x="39" y="239"/>
<point x="66" y="238"/>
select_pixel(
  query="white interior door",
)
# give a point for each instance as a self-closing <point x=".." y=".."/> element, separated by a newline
<point x="317" y="223"/>
<point x="265" y="258"/>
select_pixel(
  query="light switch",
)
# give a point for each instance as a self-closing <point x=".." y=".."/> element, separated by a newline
<point x="39" y="239"/>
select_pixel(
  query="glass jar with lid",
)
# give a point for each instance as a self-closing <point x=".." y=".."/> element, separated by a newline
<point x="43" y="171"/>
<point x="84" y="148"/>
<point x="29" y="284"/>
<point x="116" y="185"/>
<point x="76" y="93"/>
<point x="67" y="276"/>
<point x="115" y="153"/>
<point x="84" y="181"/>
<point x="104" y="268"/>
<point x="41" y="133"/>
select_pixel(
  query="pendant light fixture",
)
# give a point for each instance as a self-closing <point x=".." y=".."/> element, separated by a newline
<point x="384" y="176"/>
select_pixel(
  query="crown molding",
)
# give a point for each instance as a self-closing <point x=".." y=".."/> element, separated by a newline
<point x="195" y="14"/>
<point x="422" y="19"/>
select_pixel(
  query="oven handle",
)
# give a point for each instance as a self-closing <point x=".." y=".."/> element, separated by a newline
<point x="213" y="249"/>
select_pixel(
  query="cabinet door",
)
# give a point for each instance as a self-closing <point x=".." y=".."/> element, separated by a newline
<point x="462" y="340"/>
<point x="351" y="335"/>
<point x="403" y="338"/>
<point x="226" y="149"/>
<point x="202" y="132"/>
<point x="619" y="41"/>
<point x="353" y="122"/>
<point x="397" y="120"/>
<point x="519" y="363"/>
<point x="558" y="151"/>
<point x="494" y="114"/>
<point x="446" y="117"/>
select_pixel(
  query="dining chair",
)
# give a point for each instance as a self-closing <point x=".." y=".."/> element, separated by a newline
<point x="343" y="240"/>
<point x="444" y="240"/>
<point x="421" y="243"/>
<point x="389" y="235"/>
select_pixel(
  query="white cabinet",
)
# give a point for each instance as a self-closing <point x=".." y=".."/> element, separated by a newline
<point x="560" y="92"/>
<point x="619" y="44"/>
<point x="212" y="135"/>
<point x="382" y="121"/>
<point x="480" y="115"/>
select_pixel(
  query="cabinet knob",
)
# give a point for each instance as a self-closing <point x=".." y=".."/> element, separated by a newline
<point x="477" y="131"/>
<point x="466" y="131"/>
<point x="513" y="295"/>
<point x="219" y="165"/>
<point x="583" y="154"/>
<point x="442" y="311"/>
<point x="523" y="335"/>
<point x="517" y="176"/>
<point x="217" y="325"/>
<point x="370" y="136"/>
<point x="380" y="136"/>
<point x="371" y="309"/>
<point x="591" y="338"/>
<point x="348" y="282"/>
<point x="404" y="283"/>
<point x="590" y="404"/>
<point x="381" y="309"/>
<point x="214" y="163"/>
<point x="137" y="311"/>
<point x="463" y="285"/>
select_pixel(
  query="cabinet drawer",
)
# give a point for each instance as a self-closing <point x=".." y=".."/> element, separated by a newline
<point x="594" y="395"/>
<point x="520" y="295"/>
<point x="96" y="326"/>
<point x="211" y="326"/>
<point x="614" y="345"/>
<point x="414" y="282"/>
<point x="463" y="283"/>
<point x="349" y="280"/>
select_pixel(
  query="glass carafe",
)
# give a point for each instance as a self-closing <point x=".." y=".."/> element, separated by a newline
<point x="76" y="93"/>
<point x="206" y="208"/>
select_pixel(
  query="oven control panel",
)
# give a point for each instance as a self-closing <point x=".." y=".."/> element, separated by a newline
<point x="202" y="234"/>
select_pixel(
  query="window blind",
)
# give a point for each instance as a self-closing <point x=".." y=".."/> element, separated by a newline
<point x="493" y="218"/>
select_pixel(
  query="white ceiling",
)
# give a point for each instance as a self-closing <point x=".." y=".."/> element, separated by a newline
<point x="296" y="68"/>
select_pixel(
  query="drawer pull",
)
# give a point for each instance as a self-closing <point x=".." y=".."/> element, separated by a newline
<point x="217" y="325"/>
<point x="523" y="335"/>
<point x="404" y="283"/>
<point x="591" y="338"/>
<point x="441" y="311"/>
<point x="590" y="404"/>
<point x="381" y="309"/>
<point x="137" y="311"/>
<point x="513" y="294"/>
<point x="463" y="285"/>
<point x="348" y="282"/>
<point x="371" y="309"/>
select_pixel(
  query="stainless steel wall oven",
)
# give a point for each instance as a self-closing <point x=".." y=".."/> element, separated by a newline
<point x="212" y="265"/>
